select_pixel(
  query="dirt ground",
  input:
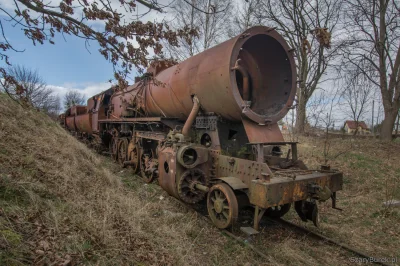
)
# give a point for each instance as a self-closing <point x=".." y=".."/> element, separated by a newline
<point x="63" y="204"/>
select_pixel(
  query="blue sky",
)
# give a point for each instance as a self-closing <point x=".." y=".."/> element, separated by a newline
<point x="66" y="62"/>
<point x="66" y="65"/>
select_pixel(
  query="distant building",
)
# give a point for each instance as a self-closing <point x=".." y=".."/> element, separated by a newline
<point x="351" y="126"/>
<point x="284" y="128"/>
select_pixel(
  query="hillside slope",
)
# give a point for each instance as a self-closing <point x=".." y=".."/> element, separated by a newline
<point x="62" y="203"/>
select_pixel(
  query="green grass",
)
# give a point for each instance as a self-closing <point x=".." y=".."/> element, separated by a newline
<point x="12" y="238"/>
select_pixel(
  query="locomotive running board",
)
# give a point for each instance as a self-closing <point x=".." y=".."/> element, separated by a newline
<point x="170" y="122"/>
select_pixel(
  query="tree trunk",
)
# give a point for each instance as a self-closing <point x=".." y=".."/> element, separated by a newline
<point x="387" y="125"/>
<point x="355" y="131"/>
<point x="301" y="116"/>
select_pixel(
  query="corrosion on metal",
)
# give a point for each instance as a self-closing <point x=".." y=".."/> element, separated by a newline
<point x="207" y="128"/>
<point x="282" y="190"/>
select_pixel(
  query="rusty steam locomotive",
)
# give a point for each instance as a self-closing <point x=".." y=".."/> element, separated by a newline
<point x="207" y="130"/>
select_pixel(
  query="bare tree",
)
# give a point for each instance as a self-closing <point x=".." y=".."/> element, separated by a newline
<point x="308" y="27"/>
<point x="32" y="89"/>
<point x="245" y="17"/>
<point x="373" y="31"/>
<point x="317" y="106"/>
<point x="328" y="122"/>
<point x="357" y="94"/>
<point x="53" y="107"/>
<point x="210" y="25"/>
<point x="72" y="98"/>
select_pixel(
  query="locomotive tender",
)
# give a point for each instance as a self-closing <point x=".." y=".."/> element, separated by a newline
<point x="206" y="129"/>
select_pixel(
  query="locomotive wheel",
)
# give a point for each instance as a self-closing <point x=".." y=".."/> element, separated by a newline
<point x="122" y="150"/>
<point x="222" y="205"/>
<point x="147" y="177"/>
<point x="186" y="184"/>
<point x="315" y="216"/>
<point x="134" y="159"/>
<point x="114" y="148"/>
<point x="278" y="211"/>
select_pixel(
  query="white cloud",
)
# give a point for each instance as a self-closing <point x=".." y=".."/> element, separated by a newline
<point x="87" y="89"/>
<point x="8" y="4"/>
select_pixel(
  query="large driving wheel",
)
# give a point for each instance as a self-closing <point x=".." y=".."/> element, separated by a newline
<point x="222" y="205"/>
<point x="114" y="148"/>
<point x="186" y="185"/>
<point x="122" y="151"/>
<point x="146" y="166"/>
<point x="134" y="159"/>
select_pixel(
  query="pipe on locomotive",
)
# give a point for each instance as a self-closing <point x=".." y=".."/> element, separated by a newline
<point x="192" y="116"/>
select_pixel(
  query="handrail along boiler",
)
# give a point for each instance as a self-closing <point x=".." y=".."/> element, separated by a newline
<point x="206" y="128"/>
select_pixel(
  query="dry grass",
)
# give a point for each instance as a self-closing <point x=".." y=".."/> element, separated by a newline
<point x="371" y="176"/>
<point x="62" y="203"/>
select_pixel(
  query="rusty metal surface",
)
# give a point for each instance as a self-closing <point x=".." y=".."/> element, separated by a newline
<point x="189" y="125"/>
<point x="78" y="110"/>
<point x="193" y="185"/>
<point x="262" y="133"/>
<point x="192" y="117"/>
<point x="170" y="122"/>
<point x="150" y="135"/>
<point x="234" y="182"/>
<point x="222" y="205"/>
<point x="133" y="155"/>
<point x="137" y="119"/>
<point x="70" y="123"/>
<point x="209" y="75"/>
<point x="98" y="105"/>
<point x="281" y="190"/>
<point x="245" y="170"/>
<point x="83" y="123"/>
<point x="167" y="179"/>
<point x="199" y="152"/>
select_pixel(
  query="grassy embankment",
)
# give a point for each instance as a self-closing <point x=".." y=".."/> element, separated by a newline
<point x="62" y="203"/>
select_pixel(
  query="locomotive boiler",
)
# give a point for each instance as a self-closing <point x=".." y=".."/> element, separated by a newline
<point x="206" y="129"/>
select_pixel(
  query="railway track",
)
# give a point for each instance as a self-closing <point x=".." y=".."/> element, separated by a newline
<point x="288" y="225"/>
<point x="325" y="239"/>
